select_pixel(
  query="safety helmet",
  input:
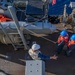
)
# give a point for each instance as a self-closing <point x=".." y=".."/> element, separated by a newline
<point x="72" y="37"/>
<point x="63" y="33"/>
<point x="35" y="46"/>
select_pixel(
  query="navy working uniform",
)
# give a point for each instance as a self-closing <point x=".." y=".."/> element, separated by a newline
<point x="36" y="54"/>
<point x="62" y="40"/>
<point x="71" y="45"/>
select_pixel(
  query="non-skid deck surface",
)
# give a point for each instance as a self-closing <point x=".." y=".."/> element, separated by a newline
<point x="13" y="62"/>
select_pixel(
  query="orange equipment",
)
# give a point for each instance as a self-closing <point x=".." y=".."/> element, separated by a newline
<point x="4" y="19"/>
<point x="71" y="42"/>
<point x="61" y="38"/>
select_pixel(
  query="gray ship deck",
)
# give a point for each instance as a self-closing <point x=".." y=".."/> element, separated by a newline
<point x="13" y="62"/>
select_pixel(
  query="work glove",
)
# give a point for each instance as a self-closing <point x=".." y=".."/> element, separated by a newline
<point x="54" y="57"/>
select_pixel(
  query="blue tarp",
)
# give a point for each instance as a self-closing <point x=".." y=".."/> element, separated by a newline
<point x="33" y="10"/>
<point x="56" y="9"/>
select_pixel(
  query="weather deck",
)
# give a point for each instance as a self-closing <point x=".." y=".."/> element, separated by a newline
<point x="13" y="62"/>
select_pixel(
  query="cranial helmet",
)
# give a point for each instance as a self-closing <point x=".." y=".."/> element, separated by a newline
<point x="72" y="37"/>
<point x="63" y="33"/>
<point x="35" y="46"/>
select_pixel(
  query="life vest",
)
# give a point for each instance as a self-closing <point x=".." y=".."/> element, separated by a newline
<point x="61" y="38"/>
<point x="34" y="55"/>
<point x="71" y="42"/>
<point x="4" y="19"/>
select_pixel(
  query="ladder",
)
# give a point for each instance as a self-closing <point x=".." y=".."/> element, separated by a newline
<point x="22" y="42"/>
<point x="20" y="32"/>
<point x="18" y="44"/>
<point x="4" y="31"/>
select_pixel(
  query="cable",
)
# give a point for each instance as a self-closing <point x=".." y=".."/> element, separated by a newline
<point x="40" y="36"/>
<point x="32" y="16"/>
<point x="36" y="33"/>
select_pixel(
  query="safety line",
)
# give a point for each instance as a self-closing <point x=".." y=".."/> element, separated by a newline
<point x="40" y="36"/>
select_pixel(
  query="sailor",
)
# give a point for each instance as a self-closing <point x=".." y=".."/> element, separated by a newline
<point x="71" y="45"/>
<point x="62" y="40"/>
<point x="36" y="54"/>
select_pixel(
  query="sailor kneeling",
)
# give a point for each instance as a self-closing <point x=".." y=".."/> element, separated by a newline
<point x="71" y="46"/>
